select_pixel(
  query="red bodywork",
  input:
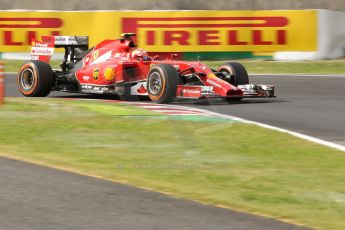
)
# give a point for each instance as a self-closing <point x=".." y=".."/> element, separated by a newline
<point x="112" y="63"/>
<point x="117" y="55"/>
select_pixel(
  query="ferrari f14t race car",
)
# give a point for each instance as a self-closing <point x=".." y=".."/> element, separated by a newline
<point x="119" y="67"/>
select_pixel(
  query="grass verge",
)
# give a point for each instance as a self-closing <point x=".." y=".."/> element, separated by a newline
<point x="220" y="163"/>
<point x="298" y="67"/>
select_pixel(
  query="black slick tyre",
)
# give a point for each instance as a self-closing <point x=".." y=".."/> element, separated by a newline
<point x="35" y="79"/>
<point x="162" y="81"/>
<point x="239" y="76"/>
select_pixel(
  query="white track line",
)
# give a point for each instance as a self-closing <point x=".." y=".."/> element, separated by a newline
<point x="152" y="107"/>
<point x="215" y="114"/>
<point x="181" y="114"/>
<point x="176" y="111"/>
<point x="293" y="133"/>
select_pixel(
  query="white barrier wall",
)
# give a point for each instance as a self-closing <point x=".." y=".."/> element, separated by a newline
<point x="331" y="34"/>
<point x="331" y="39"/>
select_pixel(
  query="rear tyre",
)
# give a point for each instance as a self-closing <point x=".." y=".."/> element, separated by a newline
<point x="35" y="79"/>
<point x="239" y="73"/>
<point x="162" y="81"/>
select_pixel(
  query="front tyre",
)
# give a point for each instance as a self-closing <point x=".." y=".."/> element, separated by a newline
<point x="162" y="83"/>
<point x="239" y="76"/>
<point x="35" y="79"/>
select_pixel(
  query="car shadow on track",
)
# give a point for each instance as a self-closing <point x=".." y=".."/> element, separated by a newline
<point x="206" y="102"/>
<point x="186" y="102"/>
<point x="86" y="96"/>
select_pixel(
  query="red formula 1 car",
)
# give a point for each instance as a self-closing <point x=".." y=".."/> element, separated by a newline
<point x="119" y="67"/>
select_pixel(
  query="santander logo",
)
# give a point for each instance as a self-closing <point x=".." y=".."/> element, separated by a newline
<point x="142" y="90"/>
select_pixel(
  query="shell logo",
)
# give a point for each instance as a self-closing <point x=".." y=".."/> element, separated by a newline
<point x="212" y="75"/>
<point x="109" y="73"/>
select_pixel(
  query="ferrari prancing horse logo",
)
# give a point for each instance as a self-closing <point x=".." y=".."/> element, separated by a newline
<point x="95" y="54"/>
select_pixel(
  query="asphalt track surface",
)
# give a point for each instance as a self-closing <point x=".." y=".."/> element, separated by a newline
<point x="312" y="105"/>
<point x="39" y="198"/>
<point x="35" y="197"/>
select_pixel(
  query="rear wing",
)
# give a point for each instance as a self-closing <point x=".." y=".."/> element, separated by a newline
<point x="73" y="45"/>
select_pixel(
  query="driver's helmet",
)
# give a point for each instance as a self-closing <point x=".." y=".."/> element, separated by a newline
<point x="140" y="54"/>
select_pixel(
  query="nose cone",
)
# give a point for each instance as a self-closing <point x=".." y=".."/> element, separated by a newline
<point x="234" y="91"/>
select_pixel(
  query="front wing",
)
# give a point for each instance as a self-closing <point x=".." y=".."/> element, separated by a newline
<point x="249" y="91"/>
<point x="200" y="91"/>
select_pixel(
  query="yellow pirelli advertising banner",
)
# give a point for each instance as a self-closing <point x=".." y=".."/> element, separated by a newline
<point x="169" y="31"/>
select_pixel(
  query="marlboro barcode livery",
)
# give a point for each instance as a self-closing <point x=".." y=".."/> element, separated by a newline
<point x="120" y="67"/>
